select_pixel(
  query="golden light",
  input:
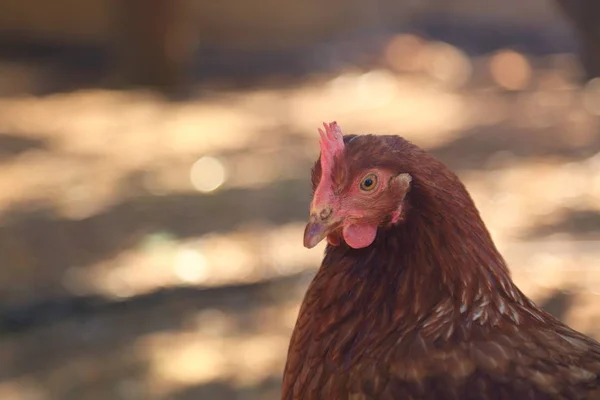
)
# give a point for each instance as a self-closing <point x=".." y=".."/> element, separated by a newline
<point x="207" y="174"/>
<point x="184" y="359"/>
<point x="510" y="70"/>
<point x="118" y="285"/>
<point x="376" y="88"/>
<point x="404" y="53"/>
<point x="448" y="65"/>
<point x="191" y="266"/>
<point x="354" y="91"/>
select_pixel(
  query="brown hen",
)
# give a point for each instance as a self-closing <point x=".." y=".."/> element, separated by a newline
<point x="413" y="300"/>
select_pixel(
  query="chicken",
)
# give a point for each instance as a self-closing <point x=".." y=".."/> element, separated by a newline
<point x="413" y="300"/>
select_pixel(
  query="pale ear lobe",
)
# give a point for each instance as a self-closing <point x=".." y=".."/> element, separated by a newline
<point x="401" y="182"/>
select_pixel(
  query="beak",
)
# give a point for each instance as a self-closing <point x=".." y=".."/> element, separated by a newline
<point x="318" y="228"/>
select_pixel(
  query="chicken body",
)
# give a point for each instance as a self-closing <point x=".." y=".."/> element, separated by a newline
<point x="427" y="309"/>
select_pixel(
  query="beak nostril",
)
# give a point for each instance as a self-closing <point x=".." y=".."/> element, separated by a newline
<point x="325" y="213"/>
<point x="319" y="225"/>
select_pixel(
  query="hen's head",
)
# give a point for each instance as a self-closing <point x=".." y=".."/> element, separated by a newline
<point x="359" y="185"/>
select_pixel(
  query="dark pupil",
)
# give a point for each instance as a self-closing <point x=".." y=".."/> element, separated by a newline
<point x="368" y="182"/>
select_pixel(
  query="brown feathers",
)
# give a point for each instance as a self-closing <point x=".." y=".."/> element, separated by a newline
<point x="428" y="310"/>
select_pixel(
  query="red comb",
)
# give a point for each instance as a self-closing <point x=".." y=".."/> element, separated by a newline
<point x="332" y="144"/>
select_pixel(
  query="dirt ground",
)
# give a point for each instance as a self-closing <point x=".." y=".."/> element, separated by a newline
<point x="153" y="249"/>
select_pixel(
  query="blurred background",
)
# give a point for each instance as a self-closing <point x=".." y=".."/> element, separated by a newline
<point x="155" y="159"/>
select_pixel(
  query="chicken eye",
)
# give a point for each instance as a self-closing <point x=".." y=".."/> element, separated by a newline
<point x="368" y="183"/>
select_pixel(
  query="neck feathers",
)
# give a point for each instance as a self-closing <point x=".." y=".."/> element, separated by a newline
<point x="439" y="264"/>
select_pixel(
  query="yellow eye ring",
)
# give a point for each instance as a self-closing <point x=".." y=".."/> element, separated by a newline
<point x="368" y="183"/>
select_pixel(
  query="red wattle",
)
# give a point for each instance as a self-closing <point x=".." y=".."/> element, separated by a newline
<point x="359" y="236"/>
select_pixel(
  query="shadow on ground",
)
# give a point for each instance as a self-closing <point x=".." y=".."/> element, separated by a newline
<point x="577" y="223"/>
<point x="42" y="246"/>
<point x="479" y="148"/>
<point x="14" y="145"/>
<point x="105" y="357"/>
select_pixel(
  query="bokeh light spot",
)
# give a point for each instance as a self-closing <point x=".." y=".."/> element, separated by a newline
<point x="404" y="53"/>
<point x="207" y="174"/>
<point x="448" y="65"/>
<point x="191" y="266"/>
<point x="510" y="70"/>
